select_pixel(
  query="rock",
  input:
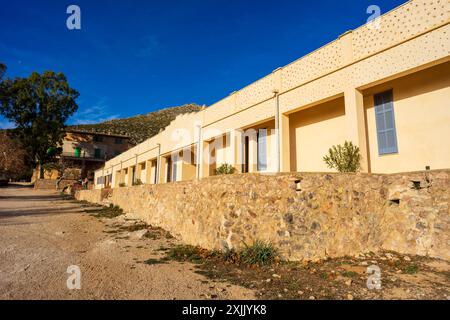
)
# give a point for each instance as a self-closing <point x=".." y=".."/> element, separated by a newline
<point x="139" y="234"/>
<point x="276" y="276"/>
<point x="406" y="258"/>
<point x="349" y="297"/>
<point x="285" y="290"/>
<point x="300" y="292"/>
<point x="280" y="296"/>
<point x="268" y="280"/>
<point x="389" y="256"/>
<point x="348" y="282"/>
<point x="312" y="298"/>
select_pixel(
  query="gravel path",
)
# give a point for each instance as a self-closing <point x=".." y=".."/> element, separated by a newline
<point x="41" y="235"/>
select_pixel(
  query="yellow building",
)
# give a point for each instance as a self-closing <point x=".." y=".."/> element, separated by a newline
<point x="384" y="86"/>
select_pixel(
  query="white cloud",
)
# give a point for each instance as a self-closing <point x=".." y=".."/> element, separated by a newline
<point x="94" y="114"/>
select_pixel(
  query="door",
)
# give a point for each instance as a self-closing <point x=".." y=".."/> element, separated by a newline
<point x="246" y="153"/>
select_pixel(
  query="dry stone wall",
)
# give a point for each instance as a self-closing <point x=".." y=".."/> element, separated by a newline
<point x="307" y="216"/>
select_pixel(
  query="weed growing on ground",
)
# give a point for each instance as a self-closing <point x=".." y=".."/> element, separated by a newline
<point x="259" y="253"/>
<point x="106" y="212"/>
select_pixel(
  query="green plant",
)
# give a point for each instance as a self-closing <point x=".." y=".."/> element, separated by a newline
<point x="412" y="269"/>
<point x="225" y="169"/>
<point x="344" y="158"/>
<point x="259" y="253"/>
<point x="138" y="182"/>
<point x="122" y="185"/>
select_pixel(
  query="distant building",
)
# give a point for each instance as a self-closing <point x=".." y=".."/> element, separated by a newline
<point x="88" y="151"/>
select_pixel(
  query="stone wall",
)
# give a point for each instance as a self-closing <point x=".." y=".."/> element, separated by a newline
<point x="50" y="184"/>
<point x="308" y="216"/>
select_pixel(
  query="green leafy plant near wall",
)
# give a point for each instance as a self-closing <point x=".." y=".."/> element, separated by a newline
<point x="122" y="185"/>
<point x="225" y="169"/>
<point x="344" y="158"/>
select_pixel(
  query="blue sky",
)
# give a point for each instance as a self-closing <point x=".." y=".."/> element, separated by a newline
<point x="133" y="57"/>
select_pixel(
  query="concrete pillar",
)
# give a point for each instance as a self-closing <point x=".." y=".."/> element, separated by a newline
<point x="130" y="176"/>
<point x="162" y="169"/>
<point x="356" y="124"/>
<point x="236" y="149"/>
<point x="205" y="159"/>
<point x="253" y="151"/>
<point x="285" y="146"/>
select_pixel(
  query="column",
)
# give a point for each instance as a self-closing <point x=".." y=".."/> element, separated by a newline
<point x="355" y="122"/>
<point x="285" y="147"/>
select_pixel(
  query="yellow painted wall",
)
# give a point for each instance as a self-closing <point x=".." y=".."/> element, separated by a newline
<point x="358" y="60"/>
<point x="422" y="116"/>
<point x="313" y="131"/>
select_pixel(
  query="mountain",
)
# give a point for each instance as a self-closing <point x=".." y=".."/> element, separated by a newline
<point x="141" y="127"/>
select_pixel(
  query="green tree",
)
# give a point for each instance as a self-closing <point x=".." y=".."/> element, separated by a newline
<point x="344" y="158"/>
<point x="2" y="71"/>
<point x="39" y="106"/>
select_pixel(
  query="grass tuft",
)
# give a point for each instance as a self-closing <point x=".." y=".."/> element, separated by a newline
<point x="412" y="269"/>
<point x="106" y="212"/>
<point x="259" y="253"/>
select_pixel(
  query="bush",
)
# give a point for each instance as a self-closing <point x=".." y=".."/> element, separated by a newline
<point x="138" y="182"/>
<point x="225" y="169"/>
<point x="344" y="158"/>
<point x="259" y="253"/>
<point x="122" y="185"/>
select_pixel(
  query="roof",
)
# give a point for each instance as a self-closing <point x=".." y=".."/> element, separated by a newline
<point x="98" y="133"/>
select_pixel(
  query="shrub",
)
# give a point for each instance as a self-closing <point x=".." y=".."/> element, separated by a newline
<point x="344" y="158"/>
<point x="138" y="182"/>
<point x="122" y="185"/>
<point x="259" y="253"/>
<point x="225" y="169"/>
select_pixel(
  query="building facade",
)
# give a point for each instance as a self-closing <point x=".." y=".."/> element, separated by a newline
<point x="86" y="151"/>
<point x="384" y="86"/>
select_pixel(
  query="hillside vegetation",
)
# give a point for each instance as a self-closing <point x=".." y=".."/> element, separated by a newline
<point x="141" y="127"/>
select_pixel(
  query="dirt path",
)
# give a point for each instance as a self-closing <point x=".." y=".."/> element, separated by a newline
<point x="41" y="235"/>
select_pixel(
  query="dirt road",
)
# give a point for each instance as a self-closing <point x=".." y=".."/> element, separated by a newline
<point x="41" y="235"/>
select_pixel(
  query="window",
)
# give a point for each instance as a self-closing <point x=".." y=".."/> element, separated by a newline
<point x="98" y="139"/>
<point x="385" y="121"/>
<point x="97" y="153"/>
<point x="262" y="150"/>
<point x="118" y="141"/>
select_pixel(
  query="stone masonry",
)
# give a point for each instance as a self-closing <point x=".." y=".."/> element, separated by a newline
<point x="307" y="216"/>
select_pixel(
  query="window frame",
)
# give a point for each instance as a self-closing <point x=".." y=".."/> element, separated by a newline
<point x="387" y="99"/>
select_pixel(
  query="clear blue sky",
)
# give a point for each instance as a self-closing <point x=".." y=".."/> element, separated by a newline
<point x="133" y="57"/>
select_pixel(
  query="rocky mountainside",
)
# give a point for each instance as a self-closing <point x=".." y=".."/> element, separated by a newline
<point x="140" y="127"/>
